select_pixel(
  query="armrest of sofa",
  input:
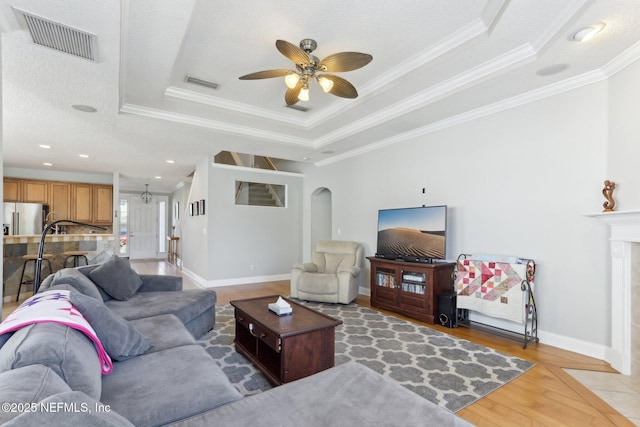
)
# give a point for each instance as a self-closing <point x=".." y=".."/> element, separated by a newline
<point x="307" y="267"/>
<point x="160" y="283"/>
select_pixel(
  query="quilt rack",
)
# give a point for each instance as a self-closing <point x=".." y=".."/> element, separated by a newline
<point x="499" y="289"/>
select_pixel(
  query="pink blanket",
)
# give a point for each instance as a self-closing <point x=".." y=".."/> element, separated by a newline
<point x="55" y="307"/>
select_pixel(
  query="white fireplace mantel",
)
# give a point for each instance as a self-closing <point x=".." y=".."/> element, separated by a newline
<point x="625" y="230"/>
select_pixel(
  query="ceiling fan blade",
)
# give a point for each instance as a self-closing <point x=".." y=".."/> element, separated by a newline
<point x="345" y="61"/>
<point x="341" y="87"/>
<point x="265" y="74"/>
<point x="293" y="52"/>
<point x="291" y="95"/>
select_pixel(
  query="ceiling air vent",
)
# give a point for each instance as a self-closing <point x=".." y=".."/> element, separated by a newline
<point x="59" y="37"/>
<point x="197" y="81"/>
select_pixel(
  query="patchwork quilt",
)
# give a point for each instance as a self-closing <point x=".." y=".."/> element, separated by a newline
<point x="492" y="288"/>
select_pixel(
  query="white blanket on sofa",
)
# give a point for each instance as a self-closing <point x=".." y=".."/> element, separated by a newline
<point x="55" y="307"/>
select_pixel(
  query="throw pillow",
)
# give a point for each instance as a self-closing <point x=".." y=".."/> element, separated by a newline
<point x="79" y="281"/>
<point x="119" y="338"/>
<point x="117" y="278"/>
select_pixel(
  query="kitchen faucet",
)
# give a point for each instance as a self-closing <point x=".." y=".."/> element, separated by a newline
<point x="46" y="220"/>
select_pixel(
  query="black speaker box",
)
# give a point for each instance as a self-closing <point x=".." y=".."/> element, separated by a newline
<point x="447" y="309"/>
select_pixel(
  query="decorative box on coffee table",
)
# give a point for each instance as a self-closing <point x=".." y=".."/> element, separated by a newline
<point x="284" y="348"/>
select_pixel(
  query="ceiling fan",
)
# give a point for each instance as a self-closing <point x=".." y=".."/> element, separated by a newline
<point x="309" y="67"/>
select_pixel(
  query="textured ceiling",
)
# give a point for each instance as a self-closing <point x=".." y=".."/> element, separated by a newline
<point x="435" y="63"/>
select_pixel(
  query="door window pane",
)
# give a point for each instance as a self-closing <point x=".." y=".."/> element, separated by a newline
<point x="124" y="227"/>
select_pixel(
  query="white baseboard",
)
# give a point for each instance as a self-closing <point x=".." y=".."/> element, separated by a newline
<point x="204" y="283"/>
<point x="585" y="348"/>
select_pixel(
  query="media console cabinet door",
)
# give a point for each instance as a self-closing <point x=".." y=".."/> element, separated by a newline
<point x="410" y="288"/>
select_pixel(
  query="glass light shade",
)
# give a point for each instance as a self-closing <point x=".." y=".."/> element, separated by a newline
<point x="304" y="94"/>
<point x="291" y="80"/>
<point x="325" y="83"/>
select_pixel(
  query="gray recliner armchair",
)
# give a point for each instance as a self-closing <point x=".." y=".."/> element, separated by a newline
<point x="332" y="274"/>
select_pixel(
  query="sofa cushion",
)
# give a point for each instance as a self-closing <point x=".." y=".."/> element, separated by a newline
<point x="348" y="395"/>
<point x="178" y="383"/>
<point x="164" y="331"/>
<point x="73" y="277"/>
<point x="117" y="278"/>
<point x="119" y="338"/>
<point x="71" y="408"/>
<point x="68" y="352"/>
<point x="29" y="384"/>
<point x="186" y="305"/>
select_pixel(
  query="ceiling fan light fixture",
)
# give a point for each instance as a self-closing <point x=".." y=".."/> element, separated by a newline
<point x="304" y="93"/>
<point x="291" y="80"/>
<point x="325" y="83"/>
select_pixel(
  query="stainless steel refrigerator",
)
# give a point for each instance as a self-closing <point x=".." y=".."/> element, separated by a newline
<point x="24" y="218"/>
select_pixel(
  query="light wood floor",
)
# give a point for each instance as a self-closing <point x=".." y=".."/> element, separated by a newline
<point x="543" y="396"/>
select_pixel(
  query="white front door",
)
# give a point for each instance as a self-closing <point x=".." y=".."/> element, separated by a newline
<point x="143" y="239"/>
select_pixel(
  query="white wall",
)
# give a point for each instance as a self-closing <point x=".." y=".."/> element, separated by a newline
<point x="233" y="244"/>
<point x="623" y="166"/>
<point x="517" y="183"/>
<point x="252" y="241"/>
<point x="194" y="241"/>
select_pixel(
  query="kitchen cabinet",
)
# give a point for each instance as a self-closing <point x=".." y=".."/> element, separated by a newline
<point x="102" y="204"/>
<point x="35" y="191"/>
<point x="11" y="192"/>
<point x="60" y="200"/>
<point x="82" y="202"/>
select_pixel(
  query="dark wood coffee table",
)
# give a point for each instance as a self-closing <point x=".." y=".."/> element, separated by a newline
<point x="284" y="348"/>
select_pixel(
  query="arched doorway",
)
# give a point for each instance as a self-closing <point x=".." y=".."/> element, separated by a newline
<point x="320" y="215"/>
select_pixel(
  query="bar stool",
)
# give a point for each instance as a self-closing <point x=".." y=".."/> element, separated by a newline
<point x="32" y="258"/>
<point x="76" y="256"/>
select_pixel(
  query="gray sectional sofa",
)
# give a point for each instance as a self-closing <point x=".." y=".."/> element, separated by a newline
<point x="50" y="373"/>
<point x="173" y="379"/>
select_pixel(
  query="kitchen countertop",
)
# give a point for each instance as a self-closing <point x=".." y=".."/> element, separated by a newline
<point x="57" y="238"/>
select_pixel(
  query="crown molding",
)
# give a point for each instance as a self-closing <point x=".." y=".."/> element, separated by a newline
<point x="466" y="34"/>
<point x="621" y="61"/>
<point x="492" y="68"/>
<point x="238" y="107"/>
<point x="215" y="125"/>
<point x="509" y="103"/>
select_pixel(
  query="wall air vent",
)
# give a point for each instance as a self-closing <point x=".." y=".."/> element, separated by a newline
<point x="59" y="37"/>
<point x="298" y="108"/>
<point x="197" y="81"/>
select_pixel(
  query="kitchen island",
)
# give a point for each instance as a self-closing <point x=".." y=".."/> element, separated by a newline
<point x="97" y="245"/>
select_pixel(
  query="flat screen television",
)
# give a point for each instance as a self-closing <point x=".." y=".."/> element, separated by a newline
<point x="412" y="234"/>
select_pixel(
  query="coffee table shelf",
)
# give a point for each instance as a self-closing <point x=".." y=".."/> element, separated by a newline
<point x="284" y="348"/>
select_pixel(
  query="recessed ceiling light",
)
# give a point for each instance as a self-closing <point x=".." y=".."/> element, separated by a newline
<point x="158" y="177"/>
<point x="48" y="164"/>
<point x="46" y="147"/>
<point x="552" y="69"/>
<point x="84" y="108"/>
<point x="587" y="33"/>
<point x="171" y="161"/>
<point x="84" y="156"/>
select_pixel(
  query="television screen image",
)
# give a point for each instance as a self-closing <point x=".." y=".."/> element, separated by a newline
<point x="412" y="232"/>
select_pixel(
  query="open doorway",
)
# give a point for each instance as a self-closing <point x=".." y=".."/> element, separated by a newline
<point x="143" y="227"/>
<point x="321" y="214"/>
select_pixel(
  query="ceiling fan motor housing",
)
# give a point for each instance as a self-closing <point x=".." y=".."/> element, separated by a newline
<point x="308" y="45"/>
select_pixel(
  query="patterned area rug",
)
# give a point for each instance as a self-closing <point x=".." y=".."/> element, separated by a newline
<point x="448" y="371"/>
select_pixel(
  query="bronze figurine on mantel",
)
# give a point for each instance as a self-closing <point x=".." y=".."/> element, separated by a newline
<point x="607" y="192"/>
